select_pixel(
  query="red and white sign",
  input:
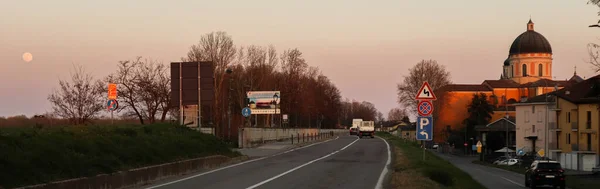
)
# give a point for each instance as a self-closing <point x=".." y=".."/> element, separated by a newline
<point x="425" y="93"/>
<point x="112" y="91"/>
<point x="425" y="108"/>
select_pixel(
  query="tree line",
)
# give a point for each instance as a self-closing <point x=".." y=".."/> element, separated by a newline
<point x="307" y="95"/>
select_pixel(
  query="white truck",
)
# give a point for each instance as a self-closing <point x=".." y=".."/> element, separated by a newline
<point x="366" y="128"/>
<point x="355" y="124"/>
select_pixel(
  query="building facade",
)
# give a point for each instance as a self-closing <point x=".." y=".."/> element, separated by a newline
<point x="526" y="72"/>
<point x="577" y="110"/>
<point x="534" y="119"/>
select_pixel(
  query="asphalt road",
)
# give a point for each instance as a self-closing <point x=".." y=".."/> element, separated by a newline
<point x="346" y="162"/>
<point x="490" y="177"/>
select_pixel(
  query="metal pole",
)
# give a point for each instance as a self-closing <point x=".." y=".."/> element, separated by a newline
<point x="504" y="124"/>
<point x="229" y="109"/>
<point x="199" y="99"/>
<point x="180" y="96"/>
<point x="112" y="119"/>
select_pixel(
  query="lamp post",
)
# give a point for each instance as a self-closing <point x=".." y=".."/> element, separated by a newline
<point x="229" y="71"/>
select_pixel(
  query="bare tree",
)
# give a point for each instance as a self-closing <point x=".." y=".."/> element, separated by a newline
<point x="396" y="114"/>
<point x="78" y="100"/>
<point x="144" y="89"/>
<point x="380" y="117"/>
<point x="426" y="70"/>
<point x="597" y="3"/>
<point x="219" y="48"/>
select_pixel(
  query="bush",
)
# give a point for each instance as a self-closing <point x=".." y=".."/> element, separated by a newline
<point x="439" y="176"/>
<point x="38" y="155"/>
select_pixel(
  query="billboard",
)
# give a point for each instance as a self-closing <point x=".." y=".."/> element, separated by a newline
<point x="264" y="102"/>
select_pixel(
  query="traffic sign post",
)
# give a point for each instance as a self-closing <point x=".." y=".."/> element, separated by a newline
<point x="479" y="145"/>
<point x="246" y="112"/>
<point x="112" y="91"/>
<point x="424" y="128"/>
<point x="425" y="108"/>
<point x="425" y="92"/>
<point x="112" y="105"/>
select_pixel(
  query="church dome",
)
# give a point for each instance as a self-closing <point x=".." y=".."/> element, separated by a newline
<point x="507" y="61"/>
<point x="530" y="41"/>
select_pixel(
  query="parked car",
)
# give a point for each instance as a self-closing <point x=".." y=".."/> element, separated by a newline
<point x="509" y="162"/>
<point x="435" y="146"/>
<point x="499" y="159"/>
<point x="545" y="172"/>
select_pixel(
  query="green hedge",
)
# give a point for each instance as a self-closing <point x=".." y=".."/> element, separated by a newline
<point x="38" y="155"/>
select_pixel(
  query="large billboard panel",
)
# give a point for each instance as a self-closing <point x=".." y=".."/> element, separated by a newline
<point x="264" y="102"/>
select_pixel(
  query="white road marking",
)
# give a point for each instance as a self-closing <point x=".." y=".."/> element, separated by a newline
<point x="296" y="168"/>
<point x="238" y="164"/>
<point x="385" y="169"/>
<point x="500" y="177"/>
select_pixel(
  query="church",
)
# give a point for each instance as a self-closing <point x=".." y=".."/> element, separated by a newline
<point x="526" y="72"/>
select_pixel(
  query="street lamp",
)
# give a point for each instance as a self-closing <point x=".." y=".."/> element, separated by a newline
<point x="229" y="71"/>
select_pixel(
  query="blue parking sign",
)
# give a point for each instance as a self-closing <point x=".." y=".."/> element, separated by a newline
<point x="424" y="128"/>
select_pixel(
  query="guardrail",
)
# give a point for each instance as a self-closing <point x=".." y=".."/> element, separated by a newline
<point x="250" y="137"/>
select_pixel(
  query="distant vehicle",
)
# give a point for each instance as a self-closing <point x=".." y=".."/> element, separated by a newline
<point x="355" y="124"/>
<point x="545" y="172"/>
<point x="366" y="128"/>
<point x="500" y="159"/>
<point x="509" y="162"/>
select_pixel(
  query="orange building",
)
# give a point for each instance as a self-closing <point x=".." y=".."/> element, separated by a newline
<point x="527" y="72"/>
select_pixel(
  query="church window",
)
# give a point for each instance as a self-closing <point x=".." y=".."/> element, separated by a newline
<point x="524" y="70"/>
<point x="540" y="70"/>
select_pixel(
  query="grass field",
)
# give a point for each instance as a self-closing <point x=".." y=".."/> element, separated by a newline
<point x="410" y="171"/>
<point x="33" y="155"/>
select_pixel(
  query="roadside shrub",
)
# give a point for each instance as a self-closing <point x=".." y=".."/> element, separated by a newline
<point x="30" y="155"/>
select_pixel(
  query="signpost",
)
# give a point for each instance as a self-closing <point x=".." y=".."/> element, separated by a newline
<point x="112" y="91"/>
<point x="425" y="120"/>
<point x="246" y="112"/>
<point x="425" y="108"/>
<point x="541" y="153"/>
<point x="479" y="145"/>
<point x="520" y="152"/>
<point x="112" y="103"/>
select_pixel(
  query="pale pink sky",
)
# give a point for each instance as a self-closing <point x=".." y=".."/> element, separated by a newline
<point x="365" y="47"/>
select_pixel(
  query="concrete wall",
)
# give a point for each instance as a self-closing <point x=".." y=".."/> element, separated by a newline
<point x="250" y="137"/>
<point x="140" y="176"/>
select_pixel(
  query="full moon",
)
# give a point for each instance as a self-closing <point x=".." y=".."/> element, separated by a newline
<point x="27" y="57"/>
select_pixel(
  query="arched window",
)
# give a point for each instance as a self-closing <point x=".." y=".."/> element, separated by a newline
<point x="524" y="70"/>
<point x="540" y="70"/>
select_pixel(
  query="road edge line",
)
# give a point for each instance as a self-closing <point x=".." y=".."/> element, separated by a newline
<point x="300" y="166"/>
<point x="386" y="168"/>
<point x="237" y="164"/>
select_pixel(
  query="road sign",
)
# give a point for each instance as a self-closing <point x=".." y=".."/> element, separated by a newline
<point x="425" y="108"/>
<point x="479" y="145"/>
<point x="466" y="144"/>
<point x="541" y="153"/>
<point x="424" y="128"/>
<point x="246" y="112"/>
<point x="425" y="93"/>
<point x="112" y="91"/>
<point x="520" y="152"/>
<point x="112" y="105"/>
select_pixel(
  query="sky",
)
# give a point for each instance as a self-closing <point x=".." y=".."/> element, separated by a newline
<point x="365" y="47"/>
